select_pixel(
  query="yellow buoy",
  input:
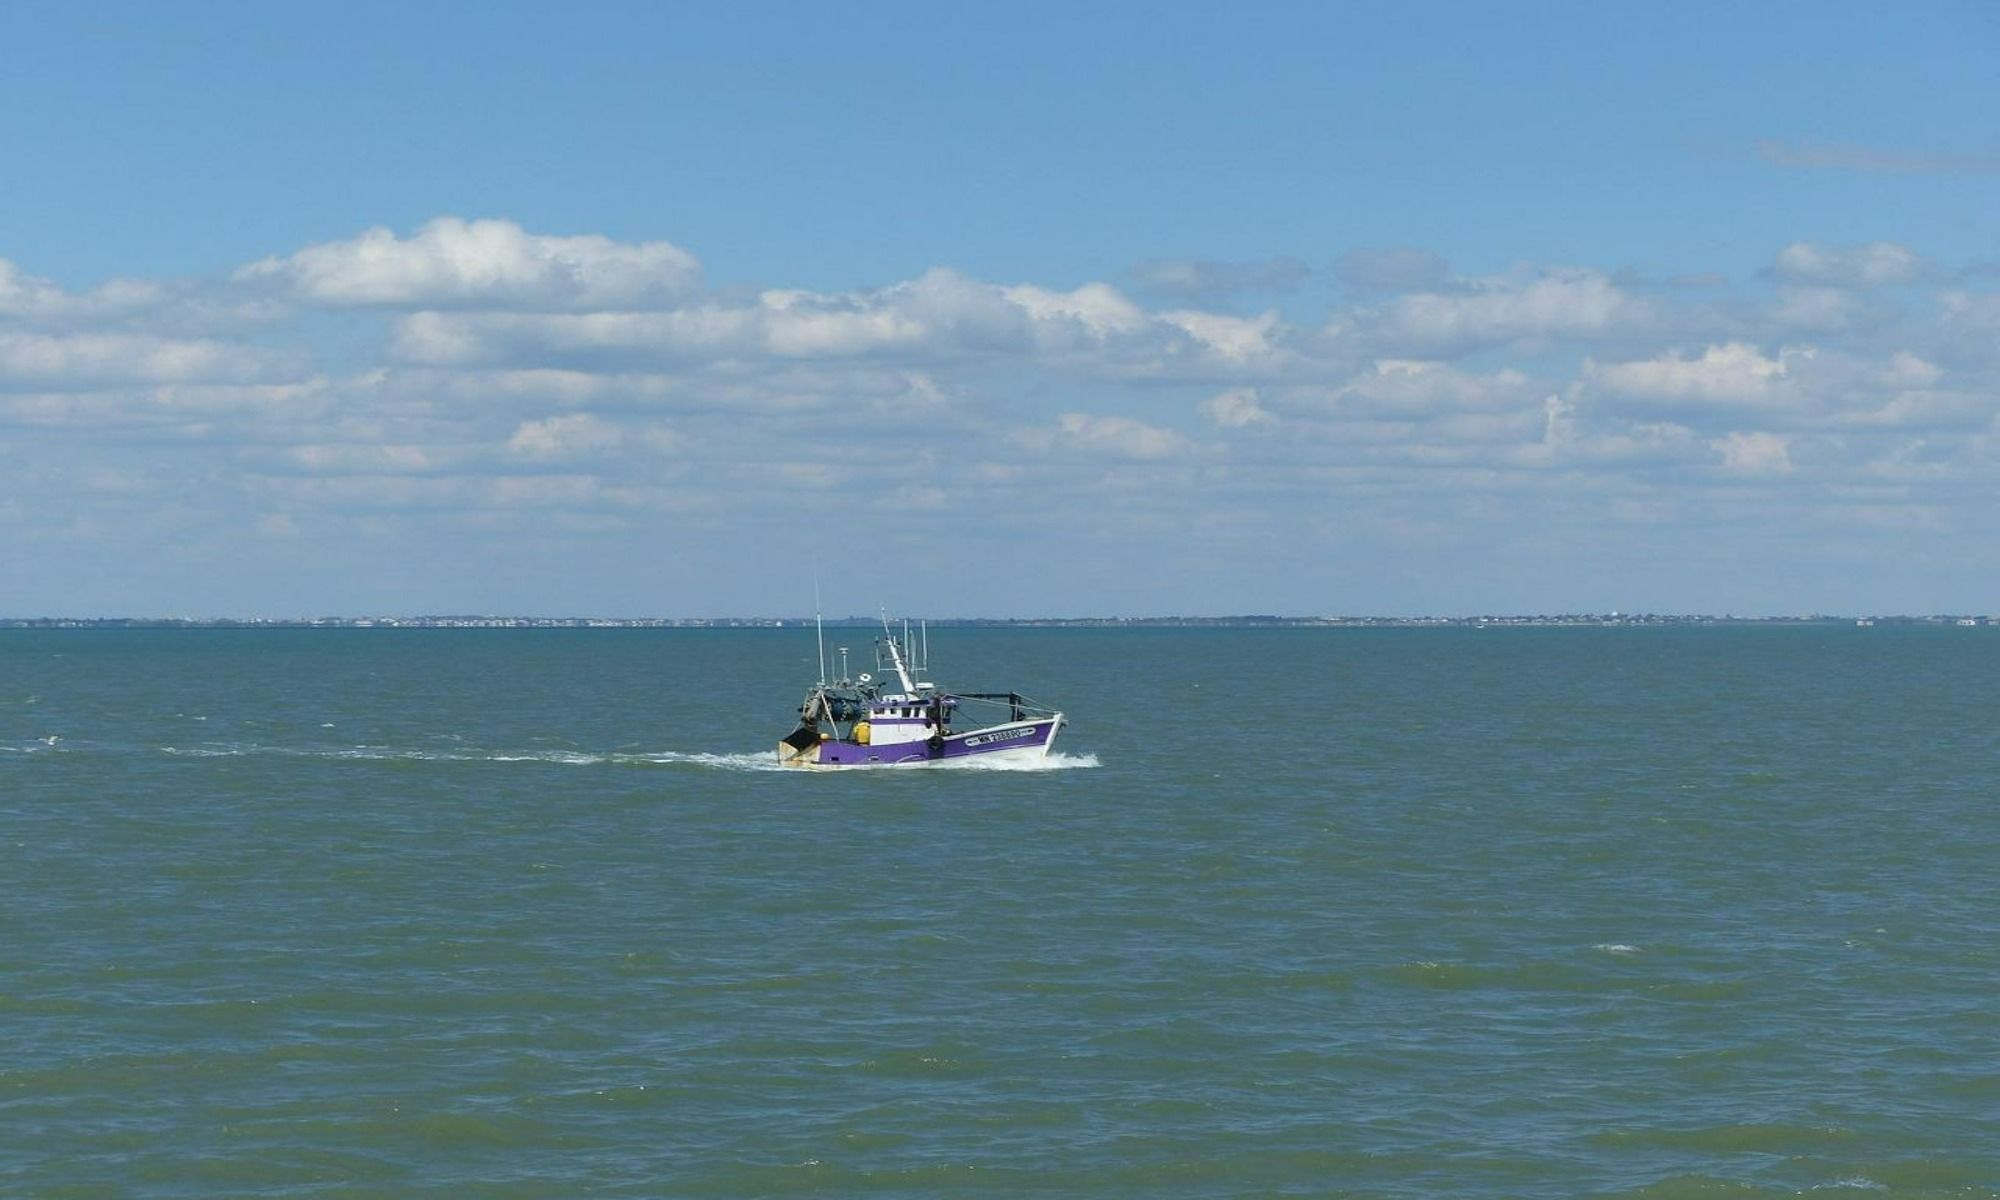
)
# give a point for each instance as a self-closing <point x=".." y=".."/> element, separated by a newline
<point x="861" y="732"/>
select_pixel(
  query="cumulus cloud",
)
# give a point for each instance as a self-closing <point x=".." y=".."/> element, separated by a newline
<point x="85" y="359"/>
<point x="528" y="380"/>
<point x="174" y="308"/>
<point x="361" y="459"/>
<point x="1240" y="340"/>
<point x="1755" y="453"/>
<point x="1108" y="437"/>
<point x="33" y="298"/>
<point x="941" y="312"/>
<point x="1097" y="309"/>
<point x="940" y="316"/>
<point x="569" y="436"/>
<point x="1794" y="387"/>
<point x="1824" y="311"/>
<point x="1735" y="373"/>
<point x="1557" y="304"/>
<point x="1877" y="264"/>
<point x="1411" y="387"/>
<point x="777" y="325"/>
<point x="1924" y="409"/>
<point x="1236" y="408"/>
<point x="452" y="262"/>
<point x="115" y="404"/>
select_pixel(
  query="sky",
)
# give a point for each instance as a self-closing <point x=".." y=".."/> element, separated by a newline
<point x="999" y="310"/>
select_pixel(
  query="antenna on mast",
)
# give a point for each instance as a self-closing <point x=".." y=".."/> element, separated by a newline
<point x="819" y="625"/>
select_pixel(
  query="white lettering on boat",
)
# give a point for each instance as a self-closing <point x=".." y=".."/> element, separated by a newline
<point x="1009" y="735"/>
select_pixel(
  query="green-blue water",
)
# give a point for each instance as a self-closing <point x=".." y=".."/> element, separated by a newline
<point x="1375" y="913"/>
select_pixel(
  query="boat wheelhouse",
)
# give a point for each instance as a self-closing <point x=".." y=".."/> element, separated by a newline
<point x="909" y="721"/>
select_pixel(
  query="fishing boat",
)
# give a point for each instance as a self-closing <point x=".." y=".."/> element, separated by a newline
<point x="906" y="720"/>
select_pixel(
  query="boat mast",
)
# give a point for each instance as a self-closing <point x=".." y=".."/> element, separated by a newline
<point x="819" y="627"/>
<point x="896" y="657"/>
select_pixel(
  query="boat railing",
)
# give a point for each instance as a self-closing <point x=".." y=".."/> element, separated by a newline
<point x="1019" y="707"/>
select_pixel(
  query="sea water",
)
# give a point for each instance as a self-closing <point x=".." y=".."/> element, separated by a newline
<point x="1309" y="912"/>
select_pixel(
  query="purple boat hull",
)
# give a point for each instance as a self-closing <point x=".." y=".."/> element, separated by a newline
<point x="1033" y="738"/>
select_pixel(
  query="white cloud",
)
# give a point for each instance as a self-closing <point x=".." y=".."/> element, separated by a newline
<point x="1556" y="304"/>
<point x="1110" y="437"/>
<point x="25" y="296"/>
<point x="1817" y="310"/>
<point x="33" y="301"/>
<point x="774" y="327"/>
<point x="932" y="312"/>
<point x="1099" y="309"/>
<point x="570" y="436"/>
<point x="394" y="492"/>
<point x="1236" y="408"/>
<point x="1755" y="453"/>
<point x="84" y="359"/>
<point x="1413" y="387"/>
<point x="1735" y="373"/>
<point x="1236" y="339"/>
<point x="940" y="316"/>
<point x="1798" y="388"/>
<point x="802" y="325"/>
<point x="196" y="405"/>
<point x="535" y="385"/>
<point x="1877" y="264"/>
<point x="361" y="459"/>
<point x="1928" y="409"/>
<point x="965" y="313"/>
<point x="542" y="389"/>
<point x="452" y="262"/>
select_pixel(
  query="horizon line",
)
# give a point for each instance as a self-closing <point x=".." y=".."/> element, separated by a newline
<point x="770" y="621"/>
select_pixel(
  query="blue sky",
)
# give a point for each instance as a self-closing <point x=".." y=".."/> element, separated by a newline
<point x="1005" y="310"/>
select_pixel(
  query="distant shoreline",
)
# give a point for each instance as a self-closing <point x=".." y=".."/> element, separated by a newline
<point x="1558" y="620"/>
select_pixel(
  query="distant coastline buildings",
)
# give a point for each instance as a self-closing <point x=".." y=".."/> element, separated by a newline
<point x="1250" y="621"/>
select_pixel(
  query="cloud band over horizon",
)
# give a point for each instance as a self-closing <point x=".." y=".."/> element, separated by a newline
<point x="504" y="411"/>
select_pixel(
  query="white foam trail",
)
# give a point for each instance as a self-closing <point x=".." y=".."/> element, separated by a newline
<point x="1020" y="762"/>
<point x="567" y="758"/>
<point x="1615" y="948"/>
<point x="764" y="761"/>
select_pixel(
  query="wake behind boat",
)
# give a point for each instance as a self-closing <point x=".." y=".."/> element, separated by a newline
<point x="910" y="721"/>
